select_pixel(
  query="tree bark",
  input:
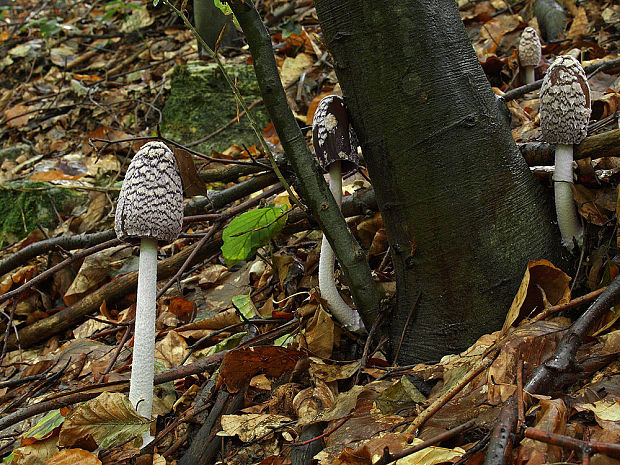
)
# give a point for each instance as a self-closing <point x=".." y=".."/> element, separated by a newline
<point x="463" y="214"/>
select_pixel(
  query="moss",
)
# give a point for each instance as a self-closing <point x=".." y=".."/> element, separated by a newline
<point x="25" y="208"/>
<point x="201" y="102"/>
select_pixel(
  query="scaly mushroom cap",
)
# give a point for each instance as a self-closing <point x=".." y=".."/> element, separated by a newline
<point x="151" y="200"/>
<point x="565" y="102"/>
<point x="529" y="47"/>
<point x="333" y="136"/>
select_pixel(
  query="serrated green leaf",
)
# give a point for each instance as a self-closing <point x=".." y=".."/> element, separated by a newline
<point x="244" y="304"/>
<point x="249" y="231"/>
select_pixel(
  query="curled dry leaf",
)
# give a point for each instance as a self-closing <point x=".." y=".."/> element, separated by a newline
<point x="543" y="284"/>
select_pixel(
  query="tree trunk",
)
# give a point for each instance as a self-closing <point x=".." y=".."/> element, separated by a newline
<point x="463" y="214"/>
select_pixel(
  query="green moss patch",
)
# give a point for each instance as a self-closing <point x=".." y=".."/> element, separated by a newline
<point x="201" y="102"/>
<point x="26" y="205"/>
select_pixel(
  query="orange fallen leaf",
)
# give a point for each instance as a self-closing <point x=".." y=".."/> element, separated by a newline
<point x="54" y="175"/>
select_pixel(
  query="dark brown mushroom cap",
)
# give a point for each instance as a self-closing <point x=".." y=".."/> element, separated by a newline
<point x="150" y="204"/>
<point x="565" y="102"/>
<point x="333" y="136"/>
<point x="529" y="47"/>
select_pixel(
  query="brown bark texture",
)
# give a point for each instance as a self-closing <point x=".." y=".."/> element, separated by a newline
<point x="463" y="213"/>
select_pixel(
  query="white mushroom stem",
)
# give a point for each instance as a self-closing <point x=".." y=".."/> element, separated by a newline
<point x="143" y="364"/>
<point x="529" y="74"/>
<point x="348" y="317"/>
<point x="570" y="227"/>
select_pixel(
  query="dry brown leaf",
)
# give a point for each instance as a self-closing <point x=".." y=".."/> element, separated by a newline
<point x="591" y="204"/>
<point x="579" y="27"/>
<point x="110" y="419"/>
<point x="218" y="321"/>
<point x="73" y="456"/>
<point x="293" y="67"/>
<point x="240" y="365"/>
<point x="181" y="307"/>
<point x="35" y="454"/>
<point x="320" y="334"/>
<point x="551" y="418"/>
<point x="16" y="278"/>
<point x="328" y="372"/>
<point x="94" y="272"/>
<point x="171" y="350"/>
<point x="542" y="283"/>
<point x="54" y="175"/>
<point x="17" y="116"/>
<point x="251" y="426"/>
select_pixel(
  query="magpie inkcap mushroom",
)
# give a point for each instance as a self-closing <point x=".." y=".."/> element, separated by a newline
<point x="530" y="52"/>
<point x="335" y="145"/>
<point x="149" y="209"/>
<point x="564" y="116"/>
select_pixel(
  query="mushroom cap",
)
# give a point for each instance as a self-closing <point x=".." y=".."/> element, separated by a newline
<point x="529" y="47"/>
<point x="150" y="204"/>
<point x="333" y="136"/>
<point x="565" y="102"/>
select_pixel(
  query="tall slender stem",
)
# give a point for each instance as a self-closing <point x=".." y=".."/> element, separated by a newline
<point x="143" y="364"/>
<point x="568" y="221"/>
<point x="347" y="316"/>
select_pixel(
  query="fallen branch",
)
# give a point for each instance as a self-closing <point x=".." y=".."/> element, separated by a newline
<point x="590" y="70"/>
<point x="389" y="458"/>
<point x="552" y="375"/>
<point x="585" y="447"/>
<point x="213" y="201"/>
<point x="602" y="145"/>
<point x="90" y="392"/>
<point x="68" y="317"/>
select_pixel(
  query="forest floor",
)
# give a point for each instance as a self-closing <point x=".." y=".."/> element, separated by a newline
<point x="250" y="367"/>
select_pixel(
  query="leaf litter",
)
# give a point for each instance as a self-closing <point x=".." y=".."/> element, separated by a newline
<point x="102" y="72"/>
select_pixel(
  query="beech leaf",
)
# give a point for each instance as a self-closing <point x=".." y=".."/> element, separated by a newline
<point x="110" y="419"/>
<point x="249" y="231"/>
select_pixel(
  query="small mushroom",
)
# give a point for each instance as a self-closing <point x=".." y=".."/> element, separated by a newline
<point x="564" y="116"/>
<point x="529" y="53"/>
<point x="149" y="209"/>
<point x="335" y="145"/>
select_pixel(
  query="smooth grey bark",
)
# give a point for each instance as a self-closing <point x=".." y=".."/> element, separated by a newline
<point x="463" y="214"/>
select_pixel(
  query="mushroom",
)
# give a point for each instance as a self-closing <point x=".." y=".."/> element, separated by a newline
<point x="564" y="115"/>
<point x="150" y="208"/>
<point x="335" y="145"/>
<point x="529" y="52"/>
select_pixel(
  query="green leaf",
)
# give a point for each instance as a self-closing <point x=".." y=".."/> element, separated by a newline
<point x="224" y="7"/>
<point x="49" y="28"/>
<point x="289" y="28"/>
<point x="245" y="305"/>
<point x="155" y="2"/>
<point x="229" y="343"/>
<point x="284" y="340"/>
<point x="249" y="231"/>
<point x="46" y="425"/>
